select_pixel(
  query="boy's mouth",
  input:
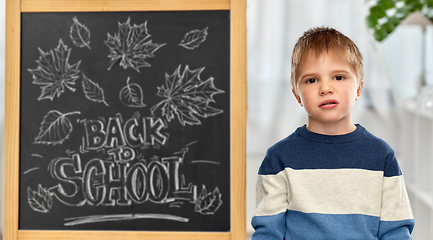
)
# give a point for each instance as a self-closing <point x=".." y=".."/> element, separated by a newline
<point x="328" y="104"/>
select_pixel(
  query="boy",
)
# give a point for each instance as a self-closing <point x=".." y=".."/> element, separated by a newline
<point x="331" y="178"/>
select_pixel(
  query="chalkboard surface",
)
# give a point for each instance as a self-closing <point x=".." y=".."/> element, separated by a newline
<point x="125" y="121"/>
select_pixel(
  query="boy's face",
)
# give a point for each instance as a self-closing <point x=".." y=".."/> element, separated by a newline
<point x="327" y="87"/>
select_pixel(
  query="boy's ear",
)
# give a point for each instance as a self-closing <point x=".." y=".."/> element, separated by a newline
<point x="359" y="90"/>
<point x="297" y="97"/>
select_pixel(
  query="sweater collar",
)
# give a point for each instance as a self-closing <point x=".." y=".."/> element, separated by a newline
<point x="317" y="137"/>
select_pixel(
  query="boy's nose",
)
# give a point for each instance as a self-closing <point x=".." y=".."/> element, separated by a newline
<point x="326" y="88"/>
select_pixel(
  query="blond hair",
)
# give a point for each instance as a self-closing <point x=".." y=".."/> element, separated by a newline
<point x="321" y="39"/>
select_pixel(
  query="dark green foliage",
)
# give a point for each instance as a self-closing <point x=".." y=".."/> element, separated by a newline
<point x="386" y="15"/>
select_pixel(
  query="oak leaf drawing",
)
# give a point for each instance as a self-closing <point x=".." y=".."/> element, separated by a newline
<point x="187" y="97"/>
<point x="131" y="46"/>
<point x="55" y="128"/>
<point x="208" y="203"/>
<point x="41" y="200"/>
<point x="79" y="34"/>
<point x="131" y="95"/>
<point x="93" y="91"/>
<point x="54" y="72"/>
<point x="194" y="38"/>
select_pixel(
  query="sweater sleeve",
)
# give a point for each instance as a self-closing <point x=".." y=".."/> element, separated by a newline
<point x="396" y="218"/>
<point x="269" y="220"/>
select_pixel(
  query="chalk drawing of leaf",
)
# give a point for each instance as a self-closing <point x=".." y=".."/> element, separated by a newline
<point x="208" y="203"/>
<point x="41" y="200"/>
<point x="55" y="128"/>
<point x="187" y="97"/>
<point x="79" y="34"/>
<point x="54" y="72"/>
<point x="93" y="91"/>
<point x="131" y="95"/>
<point x="131" y="46"/>
<point x="194" y="38"/>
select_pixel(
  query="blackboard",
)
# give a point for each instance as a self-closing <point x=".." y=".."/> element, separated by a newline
<point x="39" y="164"/>
<point x="125" y="121"/>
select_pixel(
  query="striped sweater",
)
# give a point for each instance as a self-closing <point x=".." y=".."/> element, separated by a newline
<point x="314" y="186"/>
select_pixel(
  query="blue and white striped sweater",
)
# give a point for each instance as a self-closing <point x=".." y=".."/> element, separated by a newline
<point x="313" y="186"/>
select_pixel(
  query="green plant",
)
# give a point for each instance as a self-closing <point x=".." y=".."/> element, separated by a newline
<point x="385" y="15"/>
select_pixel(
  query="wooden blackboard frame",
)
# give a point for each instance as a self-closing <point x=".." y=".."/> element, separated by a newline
<point x="14" y="8"/>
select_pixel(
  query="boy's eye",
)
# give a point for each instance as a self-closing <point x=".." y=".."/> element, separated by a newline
<point x="338" y="78"/>
<point x="311" y="80"/>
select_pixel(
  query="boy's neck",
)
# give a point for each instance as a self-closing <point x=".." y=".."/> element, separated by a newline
<point x="333" y="128"/>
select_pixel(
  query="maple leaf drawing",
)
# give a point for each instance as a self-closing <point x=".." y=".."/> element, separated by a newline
<point x="208" y="203"/>
<point x="187" y="97"/>
<point x="41" y="200"/>
<point x="131" y="46"/>
<point x="54" y="72"/>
